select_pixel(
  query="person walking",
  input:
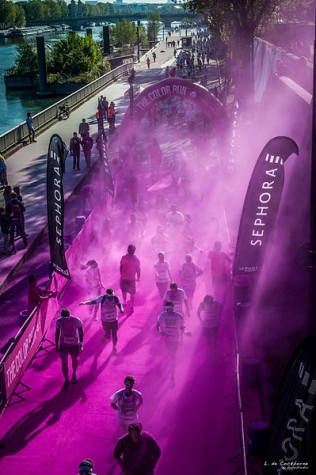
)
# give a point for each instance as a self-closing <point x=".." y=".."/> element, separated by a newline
<point x="178" y="297"/>
<point x="15" y="210"/>
<point x="148" y="62"/>
<point x="209" y="313"/>
<point x="5" y="230"/>
<point x="3" y="172"/>
<point x="154" y="56"/>
<point x="93" y="281"/>
<point x="137" y="452"/>
<point x="219" y="262"/>
<point x="170" y="325"/>
<point x="69" y="341"/>
<point x="126" y="402"/>
<point x="111" y="112"/>
<point x="84" y="128"/>
<point x="129" y="270"/>
<point x="29" y="123"/>
<point x="162" y="274"/>
<point x="188" y="274"/>
<point x="109" y="318"/>
<point x="87" y="144"/>
<point x="75" y="150"/>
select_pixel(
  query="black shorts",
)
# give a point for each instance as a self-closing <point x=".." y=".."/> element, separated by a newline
<point x="128" y="286"/>
<point x="72" y="350"/>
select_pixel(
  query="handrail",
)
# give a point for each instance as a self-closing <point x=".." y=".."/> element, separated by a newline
<point x="19" y="134"/>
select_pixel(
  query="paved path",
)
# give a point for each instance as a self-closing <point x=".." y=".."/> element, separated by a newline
<point x="196" y="421"/>
<point x="27" y="166"/>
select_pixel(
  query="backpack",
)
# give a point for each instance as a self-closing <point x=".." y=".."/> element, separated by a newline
<point x="16" y="213"/>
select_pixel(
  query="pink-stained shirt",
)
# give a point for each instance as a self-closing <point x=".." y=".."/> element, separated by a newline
<point x="130" y="266"/>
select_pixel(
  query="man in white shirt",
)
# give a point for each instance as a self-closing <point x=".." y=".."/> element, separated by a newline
<point x="69" y="341"/>
<point x="126" y="402"/>
<point x="178" y="297"/>
<point x="170" y="325"/>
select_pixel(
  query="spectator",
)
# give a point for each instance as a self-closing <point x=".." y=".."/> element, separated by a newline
<point x="154" y="56"/>
<point x="111" y="117"/>
<point x="36" y="295"/>
<point x="15" y="210"/>
<point x="87" y="144"/>
<point x="137" y="452"/>
<point x="29" y="123"/>
<point x="148" y="62"/>
<point x="7" y="194"/>
<point x="5" y="229"/>
<point x="83" y="128"/>
<point x="3" y="172"/>
<point x="75" y="150"/>
<point x="69" y="341"/>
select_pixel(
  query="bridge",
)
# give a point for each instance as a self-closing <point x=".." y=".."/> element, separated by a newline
<point x="77" y="22"/>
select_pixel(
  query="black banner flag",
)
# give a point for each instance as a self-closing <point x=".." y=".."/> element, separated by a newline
<point x="293" y="426"/>
<point x="56" y="157"/>
<point x="261" y="204"/>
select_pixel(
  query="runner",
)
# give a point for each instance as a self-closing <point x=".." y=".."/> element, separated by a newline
<point x="69" y="341"/>
<point x="109" y="304"/>
<point x="126" y="402"/>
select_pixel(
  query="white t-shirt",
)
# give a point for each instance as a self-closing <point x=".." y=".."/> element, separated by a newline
<point x="177" y="298"/>
<point x="68" y="327"/>
<point x="162" y="272"/>
<point x="127" y="404"/>
<point x="171" y="324"/>
<point x="210" y="314"/>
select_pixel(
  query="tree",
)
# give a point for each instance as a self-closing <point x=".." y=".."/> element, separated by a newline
<point x="76" y="57"/>
<point x="153" y="26"/>
<point x="26" y="62"/>
<point x="124" y="33"/>
<point x="236" y="22"/>
<point x="7" y="14"/>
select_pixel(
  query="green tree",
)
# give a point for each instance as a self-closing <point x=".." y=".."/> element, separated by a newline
<point x="236" y="22"/>
<point x="20" y="19"/>
<point x="153" y="26"/>
<point x="124" y="33"/>
<point x="76" y="57"/>
<point x="7" y="14"/>
<point x="26" y="62"/>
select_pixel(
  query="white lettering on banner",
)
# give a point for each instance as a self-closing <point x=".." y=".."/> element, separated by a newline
<point x="21" y="355"/>
<point x="160" y="92"/>
<point x="57" y="199"/>
<point x="297" y="426"/>
<point x="264" y="199"/>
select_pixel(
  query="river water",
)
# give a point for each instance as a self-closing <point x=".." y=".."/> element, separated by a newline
<point x="14" y="104"/>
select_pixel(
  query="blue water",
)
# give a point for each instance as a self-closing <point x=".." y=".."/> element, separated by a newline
<point x="14" y="104"/>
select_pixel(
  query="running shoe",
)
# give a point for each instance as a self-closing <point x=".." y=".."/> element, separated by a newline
<point x="74" y="379"/>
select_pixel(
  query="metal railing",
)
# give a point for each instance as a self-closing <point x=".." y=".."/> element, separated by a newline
<point x="43" y="119"/>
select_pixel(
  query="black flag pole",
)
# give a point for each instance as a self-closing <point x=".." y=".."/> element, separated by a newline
<point x="312" y="247"/>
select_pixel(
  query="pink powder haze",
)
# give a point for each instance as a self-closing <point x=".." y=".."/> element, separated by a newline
<point x="195" y="422"/>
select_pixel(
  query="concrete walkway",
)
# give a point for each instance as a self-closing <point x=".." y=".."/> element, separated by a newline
<point x="27" y="166"/>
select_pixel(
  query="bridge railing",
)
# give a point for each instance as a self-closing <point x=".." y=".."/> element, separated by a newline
<point x="19" y="134"/>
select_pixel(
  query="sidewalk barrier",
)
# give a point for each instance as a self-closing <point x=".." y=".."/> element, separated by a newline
<point x="19" y="134"/>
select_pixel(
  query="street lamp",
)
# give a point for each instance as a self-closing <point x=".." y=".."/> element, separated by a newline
<point x="137" y="31"/>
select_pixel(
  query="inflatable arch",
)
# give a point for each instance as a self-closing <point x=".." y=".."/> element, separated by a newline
<point x="165" y="89"/>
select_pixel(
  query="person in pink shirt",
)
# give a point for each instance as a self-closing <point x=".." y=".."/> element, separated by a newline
<point x="129" y="270"/>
